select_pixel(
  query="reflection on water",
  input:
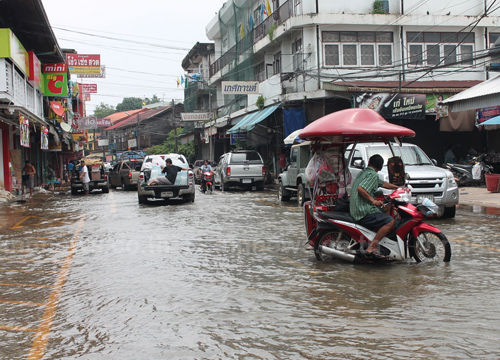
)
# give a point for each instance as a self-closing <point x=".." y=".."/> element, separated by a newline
<point x="228" y="277"/>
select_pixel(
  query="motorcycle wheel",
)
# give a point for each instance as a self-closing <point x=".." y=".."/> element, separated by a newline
<point x="333" y="239"/>
<point x="430" y="247"/>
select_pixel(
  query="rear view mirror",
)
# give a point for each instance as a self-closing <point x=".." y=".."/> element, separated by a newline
<point x="359" y="164"/>
<point x="434" y="161"/>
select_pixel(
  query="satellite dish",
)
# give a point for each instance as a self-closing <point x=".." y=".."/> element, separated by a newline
<point x="65" y="127"/>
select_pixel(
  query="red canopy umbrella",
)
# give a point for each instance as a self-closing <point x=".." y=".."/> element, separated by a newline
<point x="352" y="125"/>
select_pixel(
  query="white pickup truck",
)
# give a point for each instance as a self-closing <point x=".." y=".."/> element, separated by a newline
<point x="426" y="179"/>
<point x="243" y="168"/>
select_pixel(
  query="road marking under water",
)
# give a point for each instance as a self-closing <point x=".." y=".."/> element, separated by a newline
<point x="43" y="332"/>
<point x="16" y="328"/>
<point x="28" y="303"/>
<point x="277" y="205"/>
<point x="112" y="203"/>
<point x="30" y="285"/>
<point x="476" y="245"/>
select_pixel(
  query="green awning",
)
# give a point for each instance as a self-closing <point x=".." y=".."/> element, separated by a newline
<point x="250" y="120"/>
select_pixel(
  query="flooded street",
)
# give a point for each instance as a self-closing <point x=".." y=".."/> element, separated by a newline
<point x="101" y="277"/>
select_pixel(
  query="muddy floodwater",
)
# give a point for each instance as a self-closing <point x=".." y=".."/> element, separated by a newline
<point x="228" y="277"/>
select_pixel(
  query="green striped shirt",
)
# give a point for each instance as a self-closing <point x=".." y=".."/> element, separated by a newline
<point x="368" y="180"/>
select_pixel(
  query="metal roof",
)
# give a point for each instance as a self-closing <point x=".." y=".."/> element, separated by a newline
<point x="482" y="95"/>
<point x="134" y="120"/>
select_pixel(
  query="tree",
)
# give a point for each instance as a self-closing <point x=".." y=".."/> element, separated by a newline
<point x="155" y="99"/>
<point x="102" y="110"/>
<point x="168" y="146"/>
<point x="130" y="103"/>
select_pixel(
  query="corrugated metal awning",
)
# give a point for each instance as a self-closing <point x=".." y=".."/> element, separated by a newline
<point x="482" y="95"/>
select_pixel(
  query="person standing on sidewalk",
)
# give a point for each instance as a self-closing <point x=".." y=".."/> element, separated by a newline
<point x="29" y="177"/>
<point x="51" y="176"/>
<point x="84" y="177"/>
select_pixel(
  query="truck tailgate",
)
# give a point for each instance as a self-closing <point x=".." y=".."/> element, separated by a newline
<point x="246" y="170"/>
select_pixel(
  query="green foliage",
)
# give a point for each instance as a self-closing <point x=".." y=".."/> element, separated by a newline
<point x="271" y="31"/>
<point x="102" y="110"/>
<point x="168" y="146"/>
<point x="260" y="102"/>
<point x="155" y="99"/>
<point x="378" y="7"/>
<point x="130" y="103"/>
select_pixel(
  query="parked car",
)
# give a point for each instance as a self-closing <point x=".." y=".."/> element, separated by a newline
<point x="292" y="181"/>
<point x="183" y="187"/>
<point x="196" y="169"/>
<point x="125" y="173"/>
<point x="427" y="180"/>
<point x="243" y="168"/>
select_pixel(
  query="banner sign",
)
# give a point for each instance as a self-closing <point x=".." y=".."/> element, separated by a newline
<point x="432" y="106"/>
<point x="393" y="106"/>
<point x="85" y="97"/>
<point x="242" y="136"/>
<point x="89" y="88"/>
<point x="11" y="47"/>
<point x="44" y="143"/>
<point x="101" y="75"/>
<point x="35" y="76"/>
<point x="197" y="116"/>
<point x="240" y="87"/>
<point x="85" y="123"/>
<point x="102" y="142"/>
<point x="24" y="125"/>
<point x="103" y="122"/>
<point x="55" y="80"/>
<point x="132" y="143"/>
<point x="487" y="113"/>
<point x="84" y="64"/>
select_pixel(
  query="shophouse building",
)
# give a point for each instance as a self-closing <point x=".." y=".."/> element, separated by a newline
<point x="313" y="57"/>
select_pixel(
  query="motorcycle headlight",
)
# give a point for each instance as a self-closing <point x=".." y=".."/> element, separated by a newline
<point x="451" y="180"/>
<point x="406" y="196"/>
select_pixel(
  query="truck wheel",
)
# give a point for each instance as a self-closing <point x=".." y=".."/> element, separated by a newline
<point x="124" y="187"/>
<point x="74" y="191"/>
<point x="224" y="186"/>
<point x="190" y="197"/>
<point x="449" y="212"/>
<point x="301" y="195"/>
<point x="105" y="190"/>
<point x="283" y="194"/>
<point x="142" y="199"/>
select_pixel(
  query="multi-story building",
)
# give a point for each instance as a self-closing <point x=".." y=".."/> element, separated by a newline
<point x="323" y="56"/>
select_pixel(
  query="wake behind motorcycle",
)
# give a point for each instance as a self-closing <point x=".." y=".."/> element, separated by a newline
<point x="330" y="229"/>
<point x="472" y="173"/>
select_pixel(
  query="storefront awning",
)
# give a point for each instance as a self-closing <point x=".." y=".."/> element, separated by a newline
<point x="250" y="120"/>
<point x="482" y="95"/>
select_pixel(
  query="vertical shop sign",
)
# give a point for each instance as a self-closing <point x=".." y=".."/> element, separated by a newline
<point x="24" y="125"/>
<point x="44" y="143"/>
<point x="55" y="80"/>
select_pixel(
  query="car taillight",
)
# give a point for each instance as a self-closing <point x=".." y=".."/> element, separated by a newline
<point x="263" y="170"/>
<point x="130" y="174"/>
<point x="141" y="176"/>
<point x="190" y="177"/>
<point x="105" y="177"/>
<point x="228" y="171"/>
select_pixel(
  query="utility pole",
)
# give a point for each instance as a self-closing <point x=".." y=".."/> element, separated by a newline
<point x="138" y="135"/>
<point x="175" y="126"/>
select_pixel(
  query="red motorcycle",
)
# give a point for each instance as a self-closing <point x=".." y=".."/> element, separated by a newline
<point x="207" y="182"/>
<point x="335" y="234"/>
<point x="331" y="230"/>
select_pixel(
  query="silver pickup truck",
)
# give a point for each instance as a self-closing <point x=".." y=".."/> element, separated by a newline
<point x="243" y="168"/>
<point x="426" y="179"/>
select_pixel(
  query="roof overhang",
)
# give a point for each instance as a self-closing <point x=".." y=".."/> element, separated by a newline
<point x="482" y="95"/>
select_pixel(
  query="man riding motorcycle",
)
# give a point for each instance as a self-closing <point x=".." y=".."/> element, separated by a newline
<point x="204" y="168"/>
<point x="365" y="209"/>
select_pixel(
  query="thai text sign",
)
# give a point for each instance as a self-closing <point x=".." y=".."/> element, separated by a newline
<point x="24" y="125"/>
<point x="393" y="106"/>
<point x="89" y="88"/>
<point x="103" y="122"/>
<point x="84" y="64"/>
<point x="55" y="80"/>
<point x="240" y="87"/>
<point x="197" y="116"/>
<point x="89" y="122"/>
<point x="101" y="75"/>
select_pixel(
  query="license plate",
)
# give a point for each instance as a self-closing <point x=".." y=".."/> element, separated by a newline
<point x="167" y="194"/>
<point x="422" y="197"/>
<point x="246" y="181"/>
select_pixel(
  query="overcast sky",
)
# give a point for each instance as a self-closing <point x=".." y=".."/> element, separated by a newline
<point x="142" y="43"/>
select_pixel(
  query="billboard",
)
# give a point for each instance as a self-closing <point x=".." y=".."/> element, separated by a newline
<point x="89" y="88"/>
<point x="393" y="106"/>
<point x="55" y="80"/>
<point x="84" y="64"/>
<point x="101" y="75"/>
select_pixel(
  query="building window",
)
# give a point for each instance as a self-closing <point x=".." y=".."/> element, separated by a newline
<point x="260" y="72"/>
<point x="357" y="48"/>
<point x="297" y="54"/>
<point x="277" y="63"/>
<point x="431" y="49"/>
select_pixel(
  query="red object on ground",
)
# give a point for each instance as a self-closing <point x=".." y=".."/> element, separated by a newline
<point x="492" y="181"/>
<point x="353" y="125"/>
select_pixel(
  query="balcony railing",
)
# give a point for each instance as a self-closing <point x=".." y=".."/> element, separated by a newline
<point x="283" y="13"/>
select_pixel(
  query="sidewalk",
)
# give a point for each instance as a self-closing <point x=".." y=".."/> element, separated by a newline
<point x="478" y="195"/>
